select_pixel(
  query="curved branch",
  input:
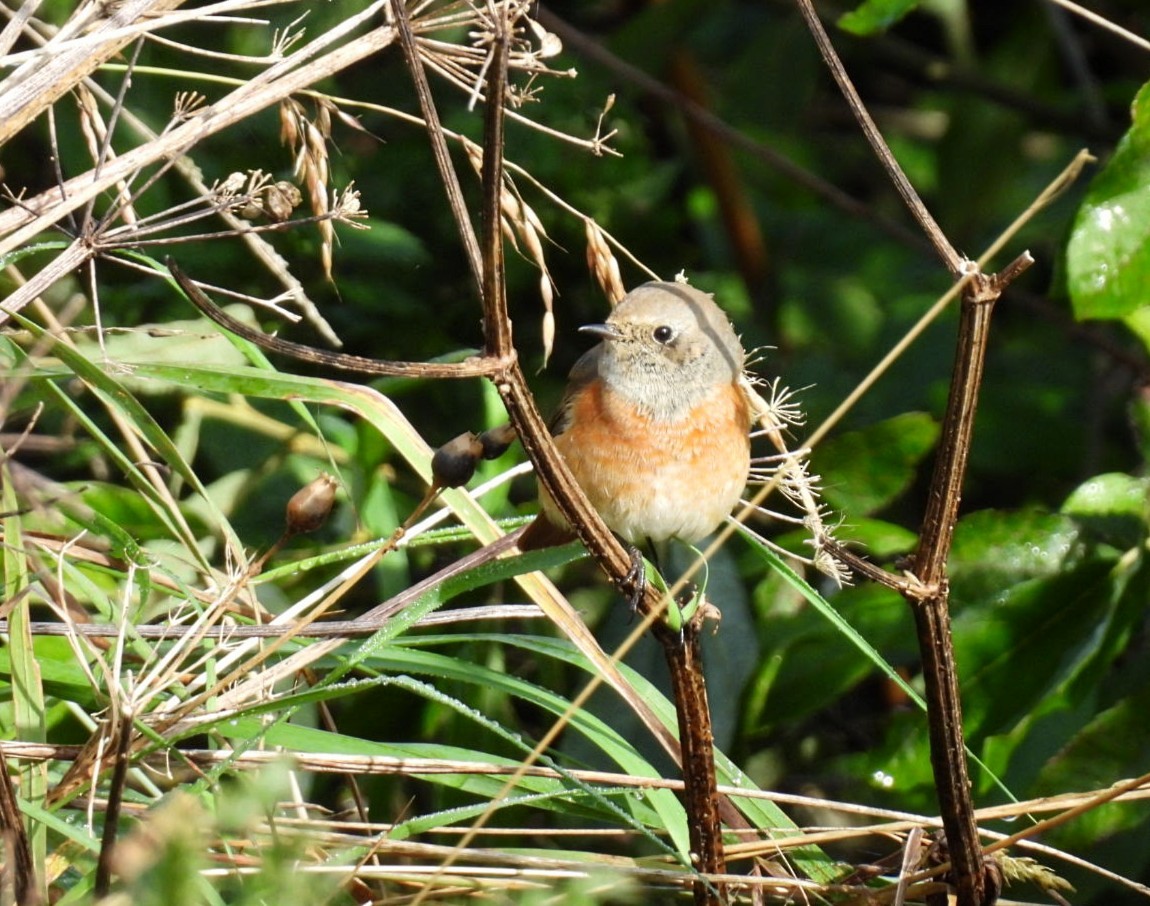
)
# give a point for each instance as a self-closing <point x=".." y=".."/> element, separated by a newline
<point x="476" y="366"/>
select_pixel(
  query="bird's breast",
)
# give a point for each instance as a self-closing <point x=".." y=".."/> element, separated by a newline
<point x="657" y="476"/>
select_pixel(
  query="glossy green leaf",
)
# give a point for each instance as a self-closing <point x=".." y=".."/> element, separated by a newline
<point x="878" y="539"/>
<point x="1116" y="743"/>
<point x="811" y="664"/>
<point x="863" y="471"/>
<point x="1111" y="508"/>
<point x="830" y="613"/>
<point x="996" y="549"/>
<point x="1108" y="256"/>
<point x="1053" y="626"/>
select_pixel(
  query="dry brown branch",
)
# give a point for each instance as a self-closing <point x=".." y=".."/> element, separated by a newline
<point x="977" y="881"/>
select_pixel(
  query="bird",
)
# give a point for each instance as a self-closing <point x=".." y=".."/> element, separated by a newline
<point x="655" y="421"/>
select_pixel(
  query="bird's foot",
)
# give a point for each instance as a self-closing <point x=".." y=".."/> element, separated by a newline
<point x="636" y="579"/>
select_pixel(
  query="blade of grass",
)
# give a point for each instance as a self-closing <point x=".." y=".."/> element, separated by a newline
<point x="382" y="413"/>
<point x="766" y="816"/>
<point x="27" y="687"/>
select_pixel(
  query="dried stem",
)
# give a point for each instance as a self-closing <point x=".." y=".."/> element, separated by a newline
<point x="477" y="366"/>
<point x="496" y="320"/>
<point x="946" y="251"/>
<point x="974" y="885"/>
<point x="41" y="81"/>
<point x="684" y="655"/>
<point x="103" y="880"/>
<point x="15" y="849"/>
<point x="438" y="144"/>
<point x="532" y="431"/>
<point x="975" y="881"/>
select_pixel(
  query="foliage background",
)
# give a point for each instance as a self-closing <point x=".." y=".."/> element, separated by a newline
<point x="984" y="104"/>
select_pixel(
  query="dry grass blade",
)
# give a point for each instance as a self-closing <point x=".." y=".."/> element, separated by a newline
<point x="300" y="70"/>
<point x="64" y="62"/>
<point x="192" y="651"/>
<point x="1103" y="22"/>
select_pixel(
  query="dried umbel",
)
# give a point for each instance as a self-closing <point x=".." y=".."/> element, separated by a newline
<point x="275" y="202"/>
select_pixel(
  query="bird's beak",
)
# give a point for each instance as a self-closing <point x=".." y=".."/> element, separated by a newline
<point x="604" y="331"/>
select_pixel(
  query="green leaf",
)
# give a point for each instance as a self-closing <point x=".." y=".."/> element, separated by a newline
<point x="1111" y="508"/>
<point x="865" y="470"/>
<point x="654" y="803"/>
<point x="59" y="674"/>
<point x="175" y="342"/>
<point x="112" y="393"/>
<point x="1028" y="643"/>
<point x="880" y="540"/>
<point x="1113" y="744"/>
<point x="762" y="813"/>
<point x="997" y="549"/>
<point x="1108" y="256"/>
<point x="830" y="613"/>
<point x="874" y="16"/>
<point x="810" y="664"/>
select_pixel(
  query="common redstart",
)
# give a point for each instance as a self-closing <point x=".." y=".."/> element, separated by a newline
<point x="655" y="425"/>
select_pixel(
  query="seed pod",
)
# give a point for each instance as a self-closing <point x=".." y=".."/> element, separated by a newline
<point x="495" y="441"/>
<point x="454" y="463"/>
<point x="310" y="506"/>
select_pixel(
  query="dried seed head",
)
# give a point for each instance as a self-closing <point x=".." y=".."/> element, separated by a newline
<point x="602" y="263"/>
<point x="310" y="506"/>
<point x="280" y="200"/>
<point x="232" y="184"/>
<point x="548" y="333"/>
<point x="187" y="103"/>
<point x="323" y="112"/>
<point x="308" y="141"/>
<point x="290" y="114"/>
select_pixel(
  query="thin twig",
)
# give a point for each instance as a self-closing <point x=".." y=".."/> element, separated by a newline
<point x="595" y="51"/>
<point x="496" y="320"/>
<point x="103" y="881"/>
<point x="476" y="366"/>
<point x="951" y="258"/>
<point x="438" y="145"/>
<point x="1103" y="22"/>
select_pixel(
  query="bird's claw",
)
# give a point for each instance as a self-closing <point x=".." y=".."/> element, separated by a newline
<point x="636" y="579"/>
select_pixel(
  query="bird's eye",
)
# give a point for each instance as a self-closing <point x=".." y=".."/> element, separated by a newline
<point x="663" y="334"/>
